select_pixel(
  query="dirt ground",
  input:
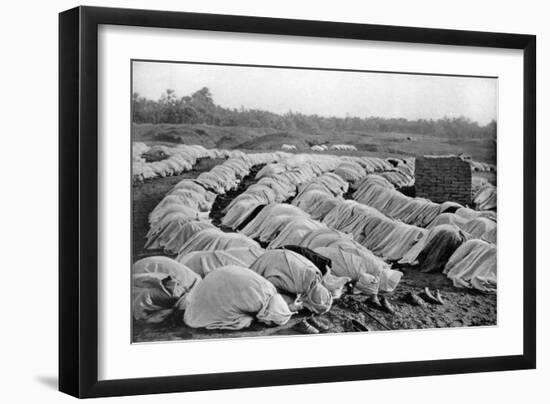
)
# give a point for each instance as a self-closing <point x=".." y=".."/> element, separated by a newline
<point x="351" y="313"/>
<point x="381" y="144"/>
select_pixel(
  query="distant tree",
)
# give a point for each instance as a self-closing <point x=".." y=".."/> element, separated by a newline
<point x="199" y="107"/>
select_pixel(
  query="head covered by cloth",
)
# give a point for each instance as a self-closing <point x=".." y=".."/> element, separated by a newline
<point x="231" y="298"/>
<point x="158" y="285"/>
<point x="294" y="274"/>
<point x="318" y="299"/>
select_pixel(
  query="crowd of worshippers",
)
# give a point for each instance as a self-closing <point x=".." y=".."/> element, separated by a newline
<point x="282" y="258"/>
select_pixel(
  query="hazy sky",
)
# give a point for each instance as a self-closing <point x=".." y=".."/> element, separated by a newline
<point x="327" y="93"/>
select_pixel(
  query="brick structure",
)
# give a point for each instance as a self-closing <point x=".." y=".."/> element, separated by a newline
<point x="443" y="178"/>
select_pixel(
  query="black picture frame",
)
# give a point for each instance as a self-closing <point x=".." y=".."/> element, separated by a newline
<point x="78" y="200"/>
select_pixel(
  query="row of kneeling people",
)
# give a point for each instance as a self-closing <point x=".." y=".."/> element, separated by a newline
<point x="399" y="172"/>
<point x="387" y="238"/>
<point x="322" y="147"/>
<point x="377" y="192"/>
<point x="168" y="161"/>
<point x="172" y="160"/>
<point x="185" y="209"/>
<point x="448" y="235"/>
<point x="229" y="288"/>
<point x="280" y="225"/>
<point x="279" y="181"/>
<point x="276" y="183"/>
<point x="468" y="261"/>
<point x="229" y="298"/>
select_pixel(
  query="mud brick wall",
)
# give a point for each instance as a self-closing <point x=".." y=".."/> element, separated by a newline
<point x="441" y="179"/>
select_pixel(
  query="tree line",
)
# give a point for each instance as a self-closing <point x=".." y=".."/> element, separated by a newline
<point x="199" y="108"/>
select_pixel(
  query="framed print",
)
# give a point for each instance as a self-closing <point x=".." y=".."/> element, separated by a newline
<point x="250" y="201"/>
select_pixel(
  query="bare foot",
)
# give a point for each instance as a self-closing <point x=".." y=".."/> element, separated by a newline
<point x="413" y="299"/>
<point x="374" y="300"/>
<point x="305" y="328"/>
<point x="439" y="297"/>
<point x="428" y="296"/>
<point x="317" y="324"/>
<point x="387" y="305"/>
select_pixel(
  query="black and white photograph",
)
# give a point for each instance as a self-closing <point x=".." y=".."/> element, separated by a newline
<point x="284" y="202"/>
<point x="273" y="201"/>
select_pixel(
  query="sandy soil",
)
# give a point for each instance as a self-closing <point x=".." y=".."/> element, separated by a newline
<point x="352" y="313"/>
